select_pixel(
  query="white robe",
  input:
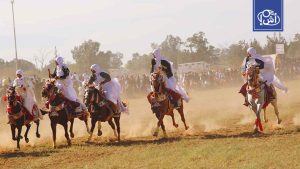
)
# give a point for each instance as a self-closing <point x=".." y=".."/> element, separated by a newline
<point x="268" y="72"/>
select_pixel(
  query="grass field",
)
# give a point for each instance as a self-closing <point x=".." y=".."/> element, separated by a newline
<point x="220" y="136"/>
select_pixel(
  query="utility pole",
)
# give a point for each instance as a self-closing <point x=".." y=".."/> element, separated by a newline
<point x="12" y="7"/>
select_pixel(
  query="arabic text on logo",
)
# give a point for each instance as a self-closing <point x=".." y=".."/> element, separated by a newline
<point x="268" y="17"/>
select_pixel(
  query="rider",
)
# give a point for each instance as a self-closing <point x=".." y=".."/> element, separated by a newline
<point x="65" y="83"/>
<point x="267" y="71"/>
<point x="161" y="64"/>
<point x="111" y="87"/>
<point x="24" y="89"/>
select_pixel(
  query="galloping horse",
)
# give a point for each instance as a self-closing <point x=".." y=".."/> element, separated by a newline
<point x="59" y="111"/>
<point x="161" y="104"/>
<point x="18" y="116"/>
<point x="256" y="94"/>
<point x="100" y="110"/>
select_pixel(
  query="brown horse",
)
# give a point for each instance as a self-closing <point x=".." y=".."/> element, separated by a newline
<point x="161" y="104"/>
<point x="59" y="112"/>
<point x="100" y="111"/>
<point x="18" y="117"/>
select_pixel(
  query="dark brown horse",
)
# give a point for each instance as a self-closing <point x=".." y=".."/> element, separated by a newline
<point x="59" y="111"/>
<point x="100" y="111"/>
<point x="18" y="117"/>
<point x="161" y="104"/>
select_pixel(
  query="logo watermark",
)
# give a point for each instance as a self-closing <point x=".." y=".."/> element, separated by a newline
<point x="267" y="15"/>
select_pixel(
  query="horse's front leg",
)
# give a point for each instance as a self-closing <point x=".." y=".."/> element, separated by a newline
<point x="117" y="121"/>
<point x="173" y="120"/>
<point x="99" y="128"/>
<point x="259" y="125"/>
<point x="160" y="121"/>
<point x="37" y="133"/>
<point x="13" y="132"/>
<point x="26" y="132"/>
<point x="53" y="127"/>
<point x="87" y="125"/>
<point x="93" y="121"/>
<point x="71" y="127"/>
<point x="67" y="134"/>
<point x="19" y="136"/>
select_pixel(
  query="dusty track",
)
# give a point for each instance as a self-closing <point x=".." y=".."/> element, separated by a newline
<point x="220" y="137"/>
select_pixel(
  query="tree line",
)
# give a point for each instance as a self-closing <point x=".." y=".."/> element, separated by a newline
<point x="193" y="49"/>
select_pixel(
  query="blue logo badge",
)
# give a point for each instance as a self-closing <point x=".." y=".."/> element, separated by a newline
<point x="267" y="15"/>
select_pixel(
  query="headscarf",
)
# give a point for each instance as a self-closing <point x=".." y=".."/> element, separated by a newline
<point x="96" y="68"/>
<point x="159" y="57"/>
<point x="59" y="68"/>
<point x="251" y="51"/>
<point x="157" y="54"/>
<point x="59" y="60"/>
<point x="20" y="72"/>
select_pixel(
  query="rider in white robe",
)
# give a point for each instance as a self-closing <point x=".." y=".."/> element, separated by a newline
<point x="24" y="88"/>
<point x="111" y="87"/>
<point x="65" y="83"/>
<point x="158" y="64"/>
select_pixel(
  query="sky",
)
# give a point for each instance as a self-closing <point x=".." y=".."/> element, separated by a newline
<point x="127" y="26"/>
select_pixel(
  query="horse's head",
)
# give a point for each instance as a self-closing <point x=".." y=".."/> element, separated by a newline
<point x="48" y="89"/>
<point x="252" y="74"/>
<point x="93" y="95"/>
<point x="11" y="96"/>
<point x="156" y="81"/>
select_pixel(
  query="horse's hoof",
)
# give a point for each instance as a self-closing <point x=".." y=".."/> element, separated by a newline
<point x="155" y="134"/>
<point x="37" y="135"/>
<point x="176" y="125"/>
<point x="187" y="127"/>
<point x="72" y="135"/>
<point x="26" y="140"/>
<point x="279" y="121"/>
<point x="14" y="138"/>
<point x="21" y="137"/>
<point x="69" y="143"/>
<point x="99" y="133"/>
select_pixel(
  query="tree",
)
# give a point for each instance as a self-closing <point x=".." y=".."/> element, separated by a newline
<point x="170" y="47"/>
<point x="294" y="47"/>
<point x="199" y="48"/>
<point x="270" y="47"/>
<point x="254" y="43"/>
<point x="139" y="63"/>
<point x="235" y="54"/>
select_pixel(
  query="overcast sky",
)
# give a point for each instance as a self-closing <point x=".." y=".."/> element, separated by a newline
<point x="127" y="26"/>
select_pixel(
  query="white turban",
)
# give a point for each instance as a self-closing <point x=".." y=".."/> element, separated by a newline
<point x="96" y="68"/>
<point x="251" y="51"/>
<point x="156" y="53"/>
<point x="59" y="60"/>
<point x="19" y="72"/>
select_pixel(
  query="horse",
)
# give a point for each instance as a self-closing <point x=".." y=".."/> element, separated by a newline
<point x="161" y="104"/>
<point x="59" y="111"/>
<point x="100" y="111"/>
<point x="256" y="94"/>
<point x="18" y="116"/>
